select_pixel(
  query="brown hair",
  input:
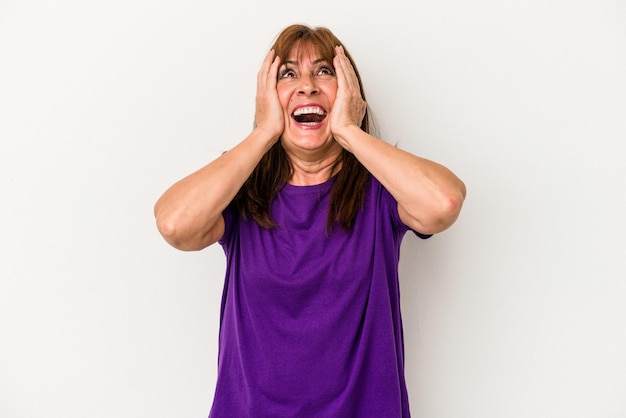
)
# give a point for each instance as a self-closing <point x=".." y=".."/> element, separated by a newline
<point x="255" y="197"/>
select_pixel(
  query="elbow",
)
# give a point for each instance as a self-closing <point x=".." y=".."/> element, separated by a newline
<point x="166" y="228"/>
<point x="454" y="201"/>
<point x="169" y="231"/>
<point x="173" y="236"/>
<point x="449" y="209"/>
<point x="164" y="223"/>
<point x="440" y="214"/>
<point x="452" y="209"/>
<point x="182" y="234"/>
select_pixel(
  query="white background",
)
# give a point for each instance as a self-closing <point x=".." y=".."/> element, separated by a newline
<point x="518" y="310"/>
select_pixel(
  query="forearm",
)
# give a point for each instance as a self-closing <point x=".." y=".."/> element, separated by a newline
<point x="429" y="195"/>
<point x="189" y="213"/>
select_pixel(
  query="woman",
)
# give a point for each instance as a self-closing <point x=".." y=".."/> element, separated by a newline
<point x="310" y="209"/>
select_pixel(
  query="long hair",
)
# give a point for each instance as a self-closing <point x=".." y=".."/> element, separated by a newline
<point x="255" y="197"/>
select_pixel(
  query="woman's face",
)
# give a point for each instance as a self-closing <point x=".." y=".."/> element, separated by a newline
<point x="307" y="87"/>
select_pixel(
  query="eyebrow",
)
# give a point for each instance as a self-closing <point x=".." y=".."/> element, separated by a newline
<point x="317" y="61"/>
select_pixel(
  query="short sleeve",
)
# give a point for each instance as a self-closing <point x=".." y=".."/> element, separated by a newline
<point x="422" y="236"/>
<point x="230" y="216"/>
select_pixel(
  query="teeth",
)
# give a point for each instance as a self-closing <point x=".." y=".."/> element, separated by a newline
<point x="309" y="111"/>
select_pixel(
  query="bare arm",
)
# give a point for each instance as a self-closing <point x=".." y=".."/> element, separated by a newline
<point x="429" y="195"/>
<point x="189" y="213"/>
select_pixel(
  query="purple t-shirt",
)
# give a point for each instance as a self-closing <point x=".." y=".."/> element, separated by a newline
<point x="310" y="322"/>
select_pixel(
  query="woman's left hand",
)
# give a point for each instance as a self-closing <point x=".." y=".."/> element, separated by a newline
<point x="349" y="107"/>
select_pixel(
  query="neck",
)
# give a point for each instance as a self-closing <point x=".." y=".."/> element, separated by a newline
<point x="314" y="171"/>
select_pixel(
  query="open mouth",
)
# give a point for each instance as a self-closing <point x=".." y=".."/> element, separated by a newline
<point x="309" y="115"/>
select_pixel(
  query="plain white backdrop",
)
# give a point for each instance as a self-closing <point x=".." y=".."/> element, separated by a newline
<point x="517" y="311"/>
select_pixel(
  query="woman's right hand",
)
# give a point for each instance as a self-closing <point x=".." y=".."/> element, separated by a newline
<point x="269" y="113"/>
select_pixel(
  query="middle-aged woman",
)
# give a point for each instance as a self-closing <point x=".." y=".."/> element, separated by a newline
<point x="310" y="209"/>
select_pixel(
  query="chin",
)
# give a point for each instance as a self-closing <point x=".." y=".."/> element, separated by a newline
<point x="308" y="140"/>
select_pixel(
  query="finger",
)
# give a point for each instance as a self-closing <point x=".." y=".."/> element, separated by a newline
<point x="345" y="70"/>
<point x="265" y="68"/>
<point x="272" y="75"/>
<point x="338" y="63"/>
<point x="348" y="85"/>
<point x="350" y="72"/>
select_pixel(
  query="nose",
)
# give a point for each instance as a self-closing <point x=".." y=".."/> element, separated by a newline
<point x="307" y="85"/>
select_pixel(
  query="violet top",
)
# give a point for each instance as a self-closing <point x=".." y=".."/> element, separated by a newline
<point x="310" y="322"/>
